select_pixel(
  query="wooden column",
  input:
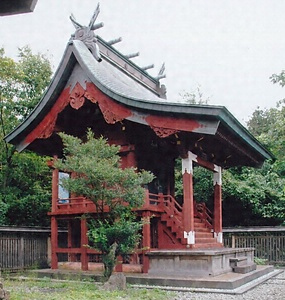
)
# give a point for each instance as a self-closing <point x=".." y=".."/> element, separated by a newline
<point x="218" y="230"/>
<point x="71" y="256"/>
<point x="146" y="240"/>
<point x="188" y="202"/>
<point x="84" y="242"/>
<point x="54" y="242"/>
<point x="55" y="175"/>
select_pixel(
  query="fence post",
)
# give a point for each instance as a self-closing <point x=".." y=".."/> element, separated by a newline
<point x="233" y="241"/>
<point x="21" y="253"/>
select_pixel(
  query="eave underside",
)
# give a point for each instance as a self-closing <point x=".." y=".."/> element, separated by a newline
<point x="220" y="148"/>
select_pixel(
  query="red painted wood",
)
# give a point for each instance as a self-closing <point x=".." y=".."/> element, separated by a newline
<point x="55" y="173"/>
<point x="54" y="243"/>
<point x="119" y="264"/>
<point x="45" y="128"/>
<point x="217" y="208"/>
<point x="77" y="96"/>
<point x="188" y="204"/>
<point x="146" y="240"/>
<point x="172" y="123"/>
<point x="206" y="164"/>
<point x="84" y="243"/>
<point x="112" y="111"/>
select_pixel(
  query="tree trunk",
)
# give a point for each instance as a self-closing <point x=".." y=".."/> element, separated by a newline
<point x="109" y="261"/>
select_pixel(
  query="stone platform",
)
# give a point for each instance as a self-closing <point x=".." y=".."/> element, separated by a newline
<point x="203" y="263"/>
<point x="231" y="283"/>
<point x="221" y="270"/>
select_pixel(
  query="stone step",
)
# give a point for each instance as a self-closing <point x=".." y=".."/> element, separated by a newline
<point x="238" y="261"/>
<point x="245" y="269"/>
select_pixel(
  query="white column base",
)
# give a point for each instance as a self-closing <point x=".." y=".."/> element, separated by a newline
<point x="219" y="236"/>
<point x="190" y="236"/>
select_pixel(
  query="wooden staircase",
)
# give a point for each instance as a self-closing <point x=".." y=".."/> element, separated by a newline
<point x="172" y="218"/>
<point x="204" y="235"/>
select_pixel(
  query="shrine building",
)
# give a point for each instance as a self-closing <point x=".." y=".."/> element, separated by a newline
<point x="97" y="87"/>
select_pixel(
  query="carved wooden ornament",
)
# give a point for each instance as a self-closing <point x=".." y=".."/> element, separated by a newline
<point x="163" y="132"/>
<point x="77" y="96"/>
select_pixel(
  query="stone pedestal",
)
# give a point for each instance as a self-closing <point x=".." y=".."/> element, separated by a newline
<point x="200" y="263"/>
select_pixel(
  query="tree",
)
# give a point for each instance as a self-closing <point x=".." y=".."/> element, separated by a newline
<point x="100" y="179"/>
<point x="23" y="178"/>
<point x="256" y="193"/>
<point x="260" y="193"/>
<point x="195" y="97"/>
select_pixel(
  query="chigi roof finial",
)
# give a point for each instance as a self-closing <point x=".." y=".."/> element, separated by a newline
<point x="86" y="34"/>
<point x="161" y="73"/>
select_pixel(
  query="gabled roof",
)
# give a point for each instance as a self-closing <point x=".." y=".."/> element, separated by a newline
<point x="142" y="98"/>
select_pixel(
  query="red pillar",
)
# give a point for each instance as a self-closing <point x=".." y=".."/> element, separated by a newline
<point x="188" y="202"/>
<point x="54" y="243"/>
<point x="71" y="256"/>
<point x="119" y="264"/>
<point x="84" y="243"/>
<point x="218" y="230"/>
<point x="54" y="189"/>
<point x="146" y="240"/>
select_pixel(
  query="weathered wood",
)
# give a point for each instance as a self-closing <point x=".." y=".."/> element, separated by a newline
<point x="21" y="252"/>
<point x="269" y="243"/>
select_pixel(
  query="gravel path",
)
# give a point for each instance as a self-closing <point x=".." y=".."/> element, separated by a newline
<point x="272" y="289"/>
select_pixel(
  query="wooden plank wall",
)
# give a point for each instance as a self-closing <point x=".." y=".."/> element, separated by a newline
<point x="23" y="250"/>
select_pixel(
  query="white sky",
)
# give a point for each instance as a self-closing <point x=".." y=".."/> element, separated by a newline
<point x="228" y="47"/>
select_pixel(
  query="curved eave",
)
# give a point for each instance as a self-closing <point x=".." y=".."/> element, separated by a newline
<point x="128" y="92"/>
<point x="50" y="96"/>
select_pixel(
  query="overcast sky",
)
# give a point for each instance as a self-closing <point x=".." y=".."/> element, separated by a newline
<point x="229" y="48"/>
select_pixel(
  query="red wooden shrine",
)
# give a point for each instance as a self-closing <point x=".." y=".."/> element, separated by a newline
<point x="97" y="87"/>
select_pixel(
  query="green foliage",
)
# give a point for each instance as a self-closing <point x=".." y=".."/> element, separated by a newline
<point x="195" y="97"/>
<point x="259" y="194"/>
<point x="100" y="179"/>
<point x="117" y="238"/>
<point x="253" y="197"/>
<point x="27" y="194"/>
<point x="3" y="211"/>
<point x="260" y="261"/>
<point x="23" y="178"/>
<point x="269" y="127"/>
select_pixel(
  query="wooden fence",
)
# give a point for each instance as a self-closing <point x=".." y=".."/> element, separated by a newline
<point x="22" y="248"/>
<point x="269" y="242"/>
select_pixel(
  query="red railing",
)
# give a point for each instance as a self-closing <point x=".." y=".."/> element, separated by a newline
<point x="74" y="205"/>
<point x="156" y="202"/>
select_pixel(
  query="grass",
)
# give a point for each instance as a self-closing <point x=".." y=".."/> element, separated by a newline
<point x="48" y="289"/>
